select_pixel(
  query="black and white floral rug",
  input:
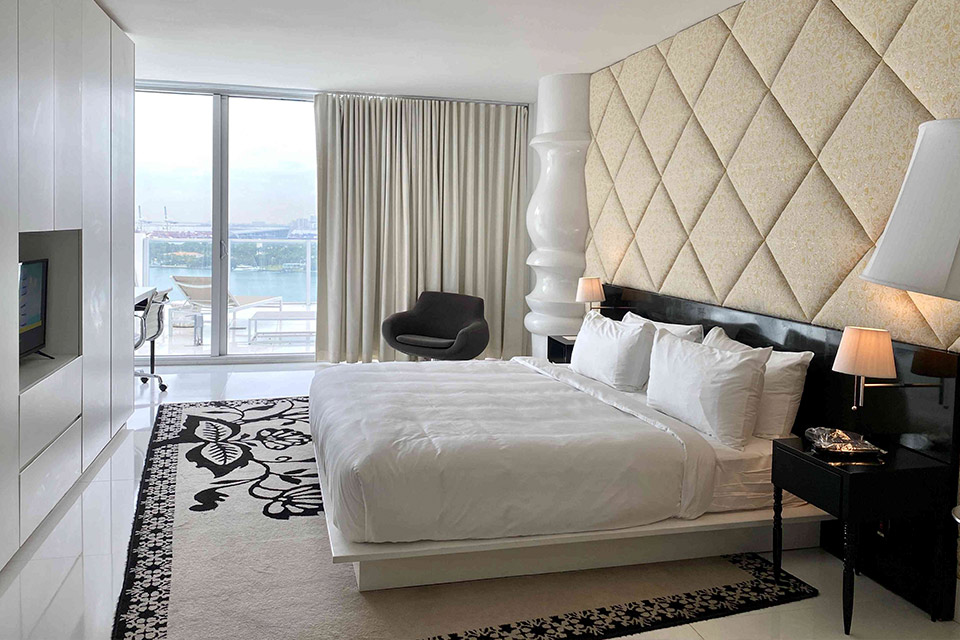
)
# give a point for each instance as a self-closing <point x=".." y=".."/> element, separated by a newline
<point x="229" y="541"/>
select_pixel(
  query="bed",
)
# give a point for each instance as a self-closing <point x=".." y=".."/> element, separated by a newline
<point x="492" y="449"/>
<point x="548" y="512"/>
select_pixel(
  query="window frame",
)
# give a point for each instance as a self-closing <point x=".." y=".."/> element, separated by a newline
<point x="220" y="212"/>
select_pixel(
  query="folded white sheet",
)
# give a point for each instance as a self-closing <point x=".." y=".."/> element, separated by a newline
<point x="742" y="479"/>
<point x="489" y="449"/>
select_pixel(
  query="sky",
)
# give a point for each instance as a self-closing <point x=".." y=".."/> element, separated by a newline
<point x="272" y="158"/>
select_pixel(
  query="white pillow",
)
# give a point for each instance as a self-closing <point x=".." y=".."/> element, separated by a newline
<point x="612" y="352"/>
<point x="716" y="392"/>
<point x="692" y="332"/>
<point x="782" y="385"/>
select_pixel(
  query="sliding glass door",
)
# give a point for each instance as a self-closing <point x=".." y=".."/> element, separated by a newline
<point x="272" y="279"/>
<point x="226" y="195"/>
<point x="174" y="226"/>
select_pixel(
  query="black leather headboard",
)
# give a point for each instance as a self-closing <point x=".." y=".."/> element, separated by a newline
<point x="922" y="418"/>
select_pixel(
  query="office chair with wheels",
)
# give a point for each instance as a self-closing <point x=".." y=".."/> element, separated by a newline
<point x="150" y="317"/>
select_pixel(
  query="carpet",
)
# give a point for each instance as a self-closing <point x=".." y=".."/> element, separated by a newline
<point x="229" y="541"/>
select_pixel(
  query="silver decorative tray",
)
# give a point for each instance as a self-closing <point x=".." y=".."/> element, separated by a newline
<point x="837" y="441"/>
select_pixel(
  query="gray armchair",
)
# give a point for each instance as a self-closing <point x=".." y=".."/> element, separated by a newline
<point x="442" y="326"/>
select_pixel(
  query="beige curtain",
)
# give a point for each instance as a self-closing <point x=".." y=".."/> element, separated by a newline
<point x="417" y="195"/>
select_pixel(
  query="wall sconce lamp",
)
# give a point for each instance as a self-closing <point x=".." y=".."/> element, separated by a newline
<point x="590" y="290"/>
<point x="865" y="353"/>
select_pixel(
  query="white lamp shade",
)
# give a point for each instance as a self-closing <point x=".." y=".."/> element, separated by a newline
<point x="918" y="250"/>
<point x="866" y="352"/>
<point x="590" y="290"/>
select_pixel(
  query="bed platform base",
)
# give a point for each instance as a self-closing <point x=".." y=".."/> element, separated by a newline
<point x="405" y="564"/>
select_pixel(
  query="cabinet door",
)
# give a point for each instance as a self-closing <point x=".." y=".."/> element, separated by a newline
<point x="67" y="63"/>
<point x="36" y="37"/>
<point x="96" y="231"/>
<point x="9" y="340"/>
<point x="121" y="224"/>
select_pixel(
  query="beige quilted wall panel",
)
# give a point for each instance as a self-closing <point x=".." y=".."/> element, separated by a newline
<point x="826" y="68"/>
<point x="753" y="159"/>
<point x="877" y="21"/>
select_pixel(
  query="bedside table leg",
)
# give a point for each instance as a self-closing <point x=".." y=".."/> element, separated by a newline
<point x="849" y="556"/>
<point x="777" y="532"/>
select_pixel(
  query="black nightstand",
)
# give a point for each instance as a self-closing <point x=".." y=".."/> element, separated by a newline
<point x="560" y="348"/>
<point x="908" y="484"/>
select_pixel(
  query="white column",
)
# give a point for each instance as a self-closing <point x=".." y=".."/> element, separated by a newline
<point x="557" y="215"/>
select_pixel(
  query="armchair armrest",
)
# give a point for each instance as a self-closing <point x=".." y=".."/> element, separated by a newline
<point x="473" y="338"/>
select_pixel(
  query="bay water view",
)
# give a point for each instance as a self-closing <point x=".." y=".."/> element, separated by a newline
<point x="292" y="286"/>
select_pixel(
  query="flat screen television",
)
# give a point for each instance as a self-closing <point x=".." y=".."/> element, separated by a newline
<point x="33" y="306"/>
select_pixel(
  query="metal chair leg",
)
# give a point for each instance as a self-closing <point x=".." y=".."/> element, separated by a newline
<point x="144" y="376"/>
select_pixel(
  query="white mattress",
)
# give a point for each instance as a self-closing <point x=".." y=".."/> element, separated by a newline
<point x="742" y="480"/>
<point x="490" y="449"/>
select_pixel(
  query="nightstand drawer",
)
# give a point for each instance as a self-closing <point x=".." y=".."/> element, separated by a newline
<point x="808" y="481"/>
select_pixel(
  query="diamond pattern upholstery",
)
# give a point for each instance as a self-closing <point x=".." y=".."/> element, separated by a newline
<point x="664" y="119"/>
<point x="693" y="54"/>
<point x="692" y="173"/>
<point x="753" y="159"/>
<point x="828" y="64"/>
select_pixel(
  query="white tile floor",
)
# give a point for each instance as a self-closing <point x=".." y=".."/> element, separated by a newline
<point x="64" y="582"/>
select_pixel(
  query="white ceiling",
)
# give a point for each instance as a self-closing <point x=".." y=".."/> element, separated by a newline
<point x="484" y="49"/>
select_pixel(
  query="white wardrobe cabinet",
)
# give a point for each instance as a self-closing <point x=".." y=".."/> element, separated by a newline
<point x="68" y="72"/>
<point x="95" y="251"/>
<point x="9" y="341"/>
<point x="66" y="194"/>
<point x="121" y="225"/>
<point x="36" y="74"/>
<point x="50" y="60"/>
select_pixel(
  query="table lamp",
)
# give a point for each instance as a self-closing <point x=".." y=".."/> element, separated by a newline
<point x="865" y="353"/>
<point x="590" y="290"/>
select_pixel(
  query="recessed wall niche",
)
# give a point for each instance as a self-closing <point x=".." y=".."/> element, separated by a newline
<point x="63" y="330"/>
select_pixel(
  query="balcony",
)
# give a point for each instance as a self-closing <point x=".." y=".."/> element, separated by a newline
<point x="272" y="294"/>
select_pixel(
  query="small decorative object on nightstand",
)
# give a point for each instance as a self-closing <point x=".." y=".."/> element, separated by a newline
<point x="560" y="348"/>
<point x="907" y="485"/>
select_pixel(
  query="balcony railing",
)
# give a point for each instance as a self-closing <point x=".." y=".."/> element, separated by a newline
<point x="259" y="269"/>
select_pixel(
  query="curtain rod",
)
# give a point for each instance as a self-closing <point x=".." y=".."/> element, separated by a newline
<point x="243" y="91"/>
<point x="307" y="95"/>
<point x="415" y="97"/>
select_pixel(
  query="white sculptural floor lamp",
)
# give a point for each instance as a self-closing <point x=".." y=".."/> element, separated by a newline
<point x="557" y="218"/>
<point x="920" y="248"/>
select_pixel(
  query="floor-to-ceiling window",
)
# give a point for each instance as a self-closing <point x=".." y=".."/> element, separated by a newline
<point x="174" y="227"/>
<point x="226" y="220"/>
<point x="272" y="280"/>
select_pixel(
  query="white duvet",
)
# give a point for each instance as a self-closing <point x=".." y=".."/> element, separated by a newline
<point x="489" y="449"/>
